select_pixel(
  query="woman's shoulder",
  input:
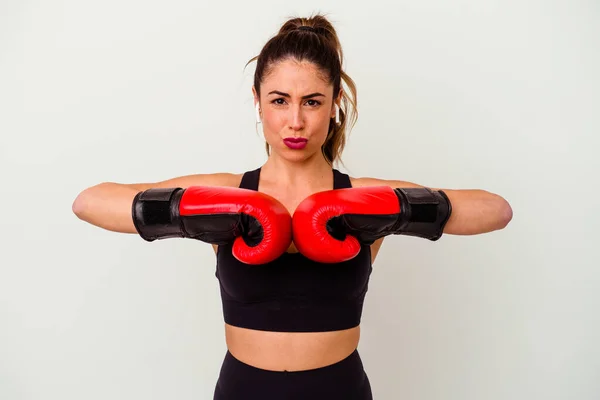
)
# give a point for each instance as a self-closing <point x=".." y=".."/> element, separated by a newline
<point x="368" y="181"/>
<point x="185" y="181"/>
<point x="221" y="179"/>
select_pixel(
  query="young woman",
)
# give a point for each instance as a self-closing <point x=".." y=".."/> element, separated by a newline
<point x="294" y="239"/>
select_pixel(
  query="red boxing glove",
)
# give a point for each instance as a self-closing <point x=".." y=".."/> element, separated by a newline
<point x="332" y="226"/>
<point x="259" y="226"/>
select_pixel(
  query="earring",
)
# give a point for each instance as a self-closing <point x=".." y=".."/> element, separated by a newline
<point x="337" y="115"/>
<point x="258" y="120"/>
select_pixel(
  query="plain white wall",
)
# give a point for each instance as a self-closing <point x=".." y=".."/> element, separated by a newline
<point x="502" y="96"/>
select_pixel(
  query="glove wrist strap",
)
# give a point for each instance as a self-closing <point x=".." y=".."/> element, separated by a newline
<point x="156" y="215"/>
<point x="423" y="212"/>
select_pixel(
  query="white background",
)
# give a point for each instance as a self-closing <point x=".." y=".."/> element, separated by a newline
<point x="495" y="95"/>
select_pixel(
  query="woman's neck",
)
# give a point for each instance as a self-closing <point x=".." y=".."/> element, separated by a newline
<point x="314" y="172"/>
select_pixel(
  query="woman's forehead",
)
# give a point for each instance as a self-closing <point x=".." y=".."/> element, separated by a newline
<point x="295" y="76"/>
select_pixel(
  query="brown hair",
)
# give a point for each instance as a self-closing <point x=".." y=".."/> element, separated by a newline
<point x="317" y="43"/>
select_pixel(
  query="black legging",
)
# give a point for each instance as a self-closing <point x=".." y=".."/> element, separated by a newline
<point x="345" y="379"/>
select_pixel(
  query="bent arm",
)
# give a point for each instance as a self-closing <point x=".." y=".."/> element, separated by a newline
<point x="108" y="205"/>
<point x="474" y="211"/>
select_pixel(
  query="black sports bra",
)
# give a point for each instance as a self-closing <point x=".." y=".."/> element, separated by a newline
<point x="293" y="293"/>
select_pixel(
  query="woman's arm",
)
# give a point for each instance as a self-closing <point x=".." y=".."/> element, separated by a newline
<point x="474" y="211"/>
<point x="108" y="205"/>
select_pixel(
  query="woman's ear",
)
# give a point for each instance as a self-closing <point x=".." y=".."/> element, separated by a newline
<point x="255" y="95"/>
<point x="338" y="99"/>
<point x="256" y="106"/>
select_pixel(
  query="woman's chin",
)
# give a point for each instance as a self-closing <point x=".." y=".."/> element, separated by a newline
<point x="296" y="155"/>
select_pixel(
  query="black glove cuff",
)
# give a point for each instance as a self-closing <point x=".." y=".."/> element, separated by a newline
<point x="156" y="215"/>
<point x="423" y="212"/>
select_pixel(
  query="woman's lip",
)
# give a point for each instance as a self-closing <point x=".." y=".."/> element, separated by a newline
<point x="295" y="143"/>
<point x="295" y="140"/>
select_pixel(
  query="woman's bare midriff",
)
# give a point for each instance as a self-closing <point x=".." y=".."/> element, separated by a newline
<point x="290" y="351"/>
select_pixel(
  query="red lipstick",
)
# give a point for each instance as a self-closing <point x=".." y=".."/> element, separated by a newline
<point x="295" y="143"/>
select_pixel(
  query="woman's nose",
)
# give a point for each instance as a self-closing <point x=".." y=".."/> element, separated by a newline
<point x="296" y="118"/>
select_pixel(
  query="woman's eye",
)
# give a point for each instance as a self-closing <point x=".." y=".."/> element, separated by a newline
<point x="310" y="102"/>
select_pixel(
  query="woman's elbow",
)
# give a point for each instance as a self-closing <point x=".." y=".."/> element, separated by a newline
<point x="505" y="212"/>
<point x="78" y="204"/>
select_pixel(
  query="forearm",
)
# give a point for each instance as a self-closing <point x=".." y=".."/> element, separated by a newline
<point x="108" y="206"/>
<point x="476" y="211"/>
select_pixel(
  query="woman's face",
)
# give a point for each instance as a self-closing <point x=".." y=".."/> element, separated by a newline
<point x="296" y="104"/>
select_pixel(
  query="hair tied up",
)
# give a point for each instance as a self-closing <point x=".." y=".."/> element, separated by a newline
<point x="307" y="28"/>
<point x="325" y="52"/>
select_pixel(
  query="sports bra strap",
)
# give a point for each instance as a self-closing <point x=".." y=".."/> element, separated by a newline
<point x="250" y="180"/>
<point x="341" y="180"/>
